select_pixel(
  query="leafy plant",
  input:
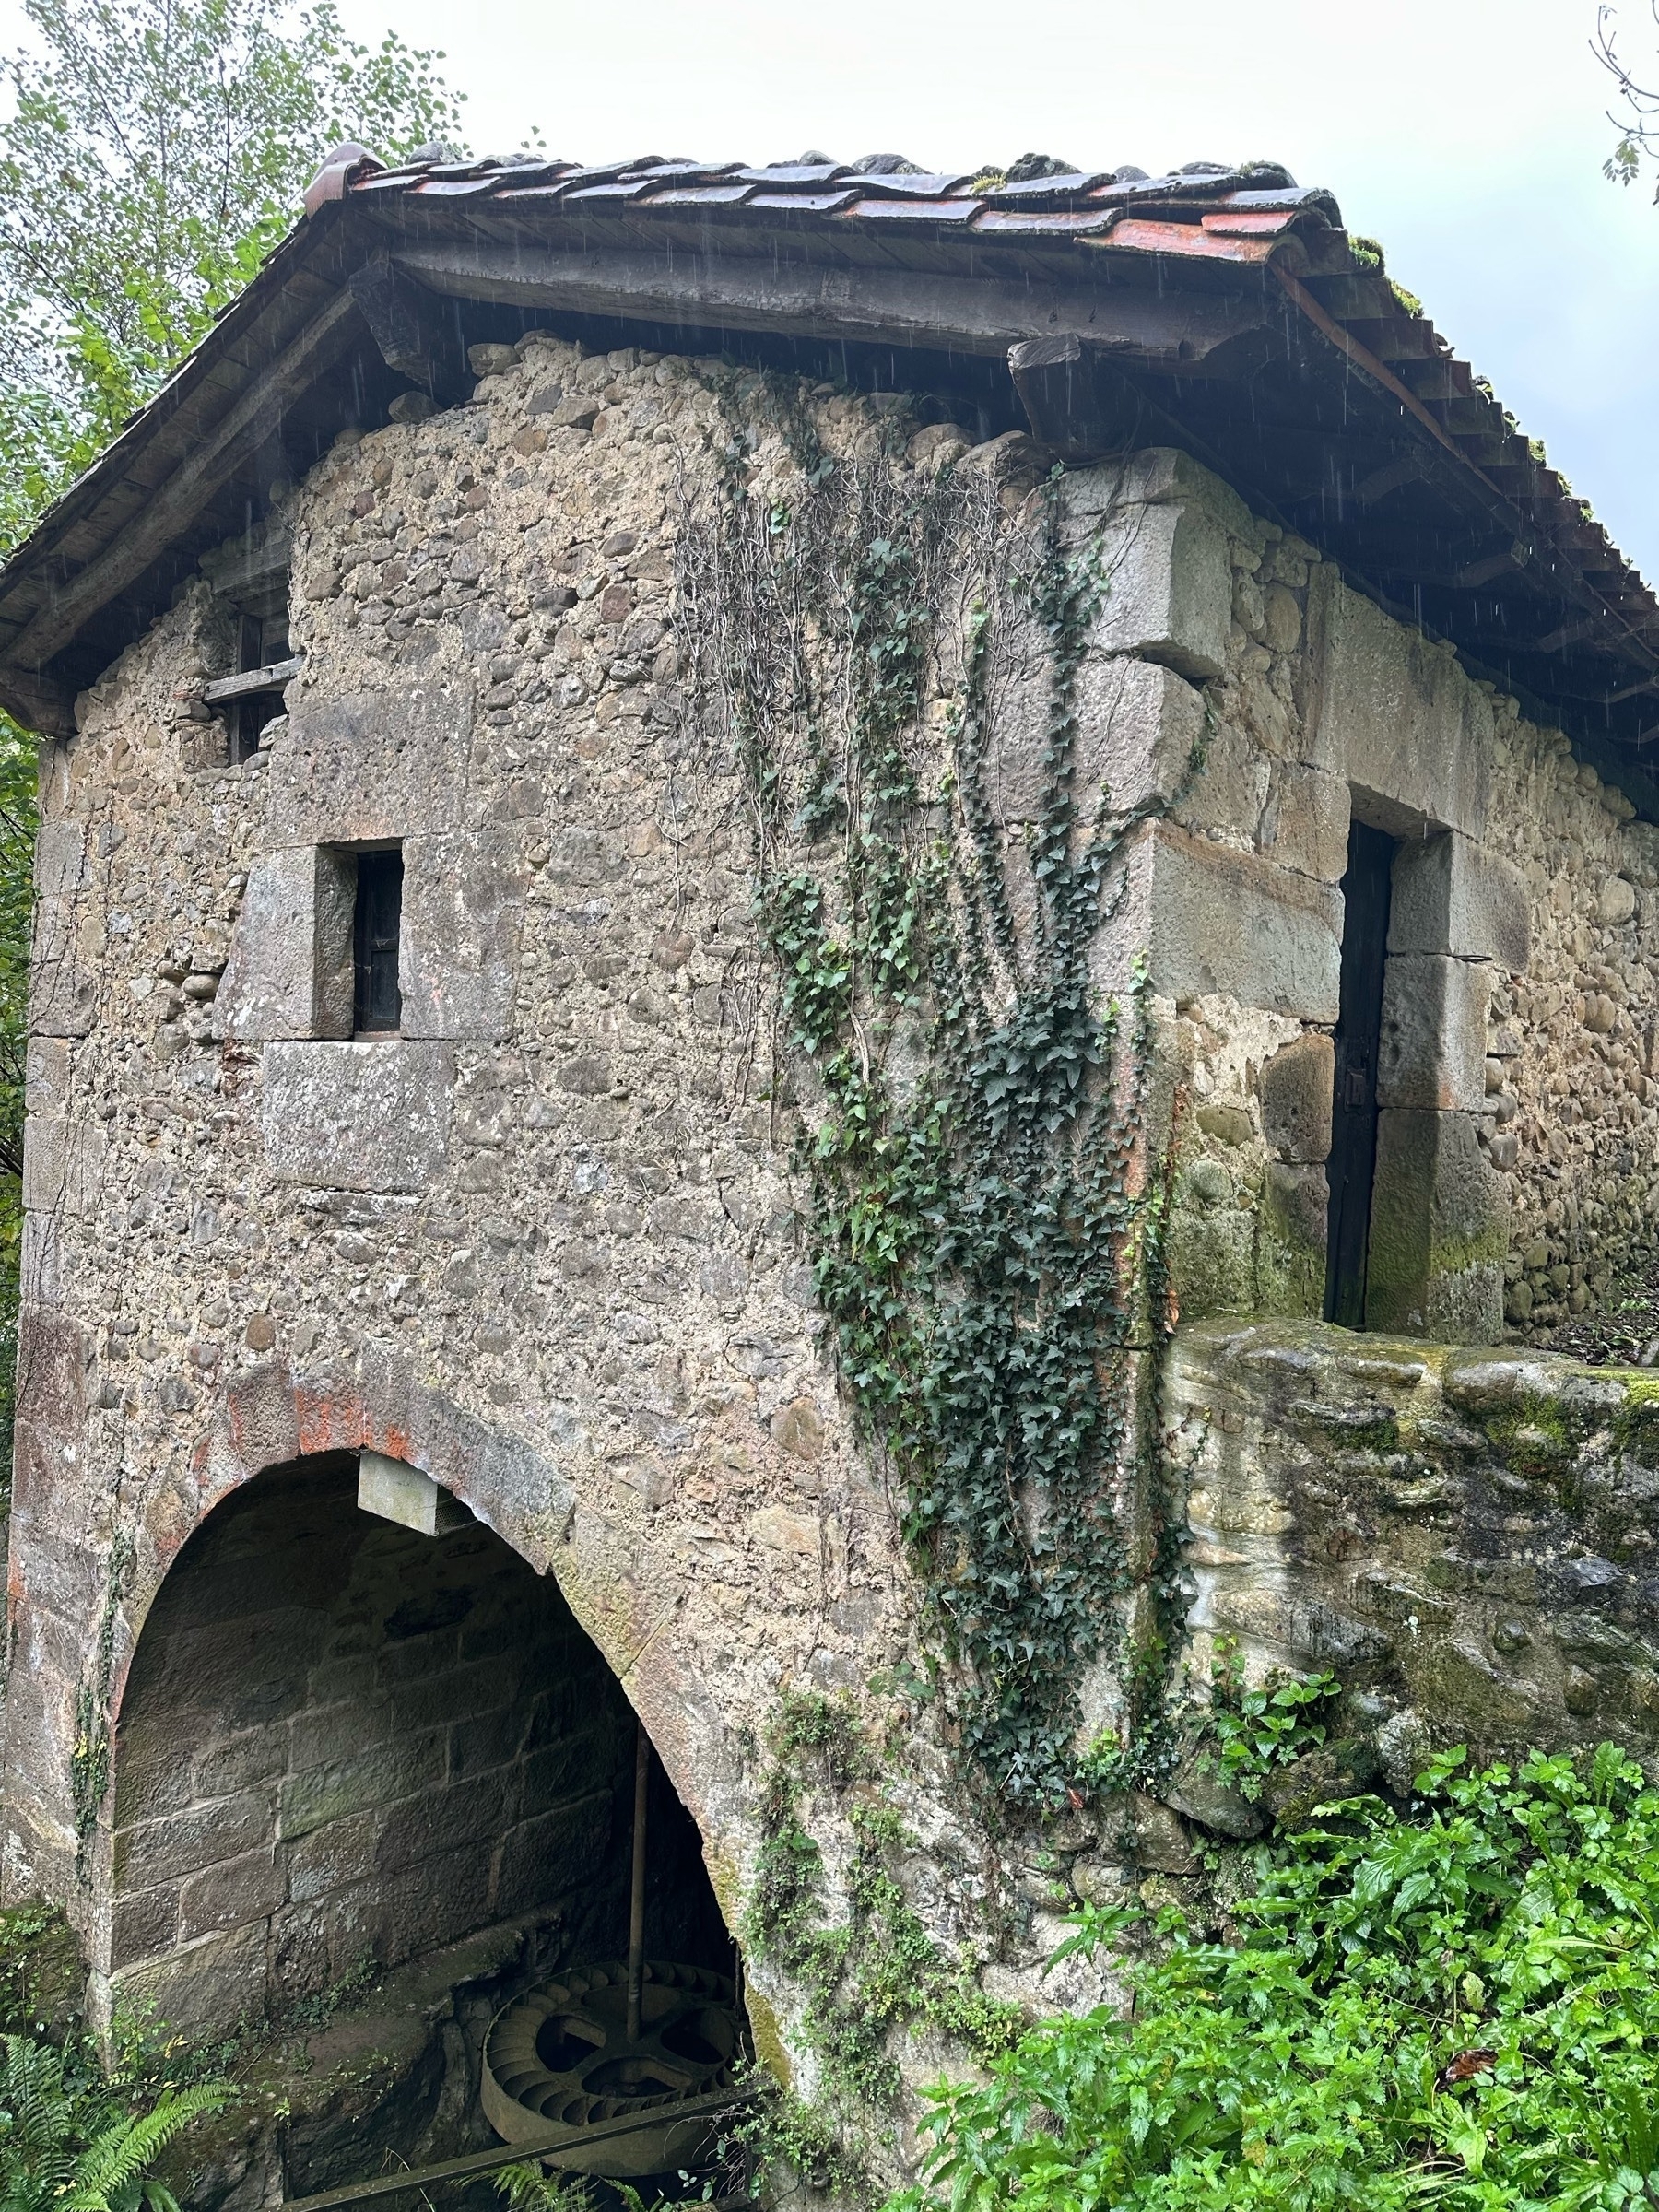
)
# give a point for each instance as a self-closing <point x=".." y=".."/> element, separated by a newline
<point x="982" y="1228"/>
<point x="1457" y="2006"/>
<point x="153" y="152"/>
<point x="1255" y="1731"/>
<point x="528" y="2188"/>
<point x="1636" y="117"/>
<point x="878" y="1969"/>
<point x="68" y="2142"/>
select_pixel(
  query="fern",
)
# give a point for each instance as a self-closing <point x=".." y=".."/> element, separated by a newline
<point x="67" y="2147"/>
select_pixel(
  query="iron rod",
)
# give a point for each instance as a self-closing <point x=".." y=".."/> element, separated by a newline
<point x="636" y="1911"/>
<point x="508" y="2154"/>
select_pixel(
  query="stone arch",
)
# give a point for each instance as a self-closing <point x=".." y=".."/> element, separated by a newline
<point x="341" y="1744"/>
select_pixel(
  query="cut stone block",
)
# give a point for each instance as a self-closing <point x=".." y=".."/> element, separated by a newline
<point x="357" y="1117"/>
<point x="396" y="1492"/>
<point x="1453" y="895"/>
<point x="62" y="970"/>
<point x="60" y="859"/>
<point x="209" y="1984"/>
<point x="1399" y="721"/>
<point x="462" y="912"/>
<point x="1432" y="1051"/>
<point x="63" y="1163"/>
<point x="1168" y="588"/>
<point x="1306" y="822"/>
<point x="232" y="1893"/>
<point x="1439" y="1231"/>
<point x="289" y="974"/>
<point x="1213" y="921"/>
<point x="368" y="765"/>
<point x="1296" y="1098"/>
<point x="1156" y="475"/>
<point x="1139" y="728"/>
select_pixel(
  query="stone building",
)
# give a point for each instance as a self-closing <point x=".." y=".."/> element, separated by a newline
<point x="474" y="696"/>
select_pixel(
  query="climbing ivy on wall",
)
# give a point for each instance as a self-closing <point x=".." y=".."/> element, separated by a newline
<point x="983" y="1229"/>
<point x="878" y="1969"/>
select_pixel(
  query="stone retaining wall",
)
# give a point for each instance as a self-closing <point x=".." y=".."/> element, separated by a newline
<point x="1468" y="1539"/>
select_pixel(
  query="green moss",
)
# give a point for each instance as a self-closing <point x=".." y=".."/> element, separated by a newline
<point x="42" y="1979"/>
<point x="1636" y="1424"/>
<point x="1211" y="1259"/>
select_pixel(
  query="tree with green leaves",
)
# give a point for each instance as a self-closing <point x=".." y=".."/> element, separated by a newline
<point x="156" y="150"/>
<point x="1635" y="112"/>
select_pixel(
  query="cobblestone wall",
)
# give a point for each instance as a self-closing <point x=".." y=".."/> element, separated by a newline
<point x="544" y="1242"/>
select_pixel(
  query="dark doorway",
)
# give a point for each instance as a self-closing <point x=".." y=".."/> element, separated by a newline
<point x="345" y="1746"/>
<point x="1365" y="889"/>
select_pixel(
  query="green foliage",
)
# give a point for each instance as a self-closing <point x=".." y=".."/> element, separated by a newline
<point x="525" y="2188"/>
<point x="1635" y="116"/>
<point x="980" y="1231"/>
<point x="70" y="2143"/>
<point x="1256" y="1730"/>
<point x="878" y="1970"/>
<point x="41" y="1978"/>
<point x="155" y="150"/>
<point x="775" y="2129"/>
<point x="1459" y="2004"/>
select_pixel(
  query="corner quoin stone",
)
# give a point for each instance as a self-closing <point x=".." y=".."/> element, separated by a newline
<point x="1139" y="726"/>
<point x="1220" y="921"/>
<point x="1169" y="589"/>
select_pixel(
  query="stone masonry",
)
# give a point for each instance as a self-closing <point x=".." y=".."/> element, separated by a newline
<point x="544" y="1242"/>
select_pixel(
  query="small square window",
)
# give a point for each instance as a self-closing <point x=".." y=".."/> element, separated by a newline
<point x="261" y="641"/>
<point x="378" y="1001"/>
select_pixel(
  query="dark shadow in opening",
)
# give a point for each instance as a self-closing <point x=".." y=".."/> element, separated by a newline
<point x="344" y="1746"/>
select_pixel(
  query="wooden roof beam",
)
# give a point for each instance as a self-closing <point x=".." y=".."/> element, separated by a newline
<point x="712" y="290"/>
<point x="175" y="506"/>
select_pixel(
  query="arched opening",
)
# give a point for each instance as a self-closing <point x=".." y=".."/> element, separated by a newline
<point x="345" y="1746"/>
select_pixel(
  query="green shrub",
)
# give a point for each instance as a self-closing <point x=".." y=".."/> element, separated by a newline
<point x="1460" y="2006"/>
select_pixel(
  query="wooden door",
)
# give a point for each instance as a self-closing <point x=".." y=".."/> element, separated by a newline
<point x="1365" y="890"/>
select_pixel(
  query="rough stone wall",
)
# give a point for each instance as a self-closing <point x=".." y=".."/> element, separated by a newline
<point x="544" y="1242"/>
<point x="1469" y="1539"/>
<point x="1519" y="1135"/>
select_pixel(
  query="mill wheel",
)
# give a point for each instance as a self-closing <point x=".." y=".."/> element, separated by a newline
<point x="559" y="2059"/>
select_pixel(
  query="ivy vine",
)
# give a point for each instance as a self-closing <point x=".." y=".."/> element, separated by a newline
<point x="878" y="1969"/>
<point x="983" y="1229"/>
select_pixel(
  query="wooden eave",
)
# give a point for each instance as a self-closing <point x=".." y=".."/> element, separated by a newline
<point x="1236" y="323"/>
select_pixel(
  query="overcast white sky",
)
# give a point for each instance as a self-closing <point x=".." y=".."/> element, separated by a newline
<point x="1467" y="134"/>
